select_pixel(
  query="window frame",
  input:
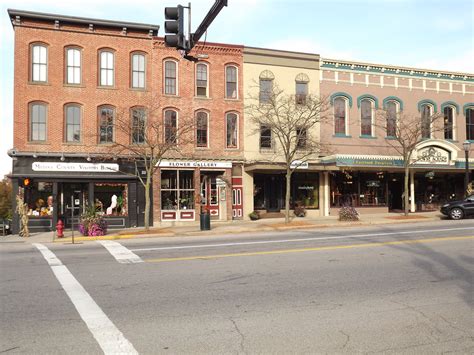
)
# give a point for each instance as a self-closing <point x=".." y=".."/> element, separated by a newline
<point x="262" y="94"/>
<point x="30" y="121"/>
<point x="346" y="116"/>
<point x="66" y="66"/>
<point x="300" y="99"/>
<point x="397" y="111"/>
<point x="237" y="130"/>
<point x="132" y="71"/>
<point x="431" y="112"/>
<point x="227" y="96"/>
<point x="206" y="65"/>
<point x="470" y="124"/>
<point x="100" y="68"/>
<point x="262" y="128"/>
<point x="176" y="71"/>
<point x="99" y="108"/>
<point x="66" y="125"/>
<point x="134" y="127"/>
<point x="197" y="128"/>
<point x="372" y="109"/>
<point x="453" y="123"/>
<point x="165" y="127"/>
<point x="33" y="63"/>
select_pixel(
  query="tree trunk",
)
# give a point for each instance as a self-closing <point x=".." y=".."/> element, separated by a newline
<point x="287" y="196"/>
<point x="147" y="202"/>
<point x="406" y="191"/>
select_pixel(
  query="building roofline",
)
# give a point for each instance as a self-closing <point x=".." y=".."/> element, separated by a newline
<point x="80" y="20"/>
<point x="283" y="52"/>
<point x="212" y="44"/>
<point x="394" y="67"/>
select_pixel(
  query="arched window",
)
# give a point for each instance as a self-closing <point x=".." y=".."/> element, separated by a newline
<point x="366" y="119"/>
<point x="170" y="78"/>
<point x="340" y="116"/>
<point x="392" y="109"/>
<point x="266" y="86"/>
<point x="138" y="71"/>
<point x="73" y="65"/>
<point x="106" y="68"/>
<point x="301" y="88"/>
<point x="201" y="80"/>
<point x="73" y="120"/>
<point x="470" y="123"/>
<point x="426" y="114"/>
<point x="231" y="82"/>
<point x="38" y="120"/>
<point x="171" y="126"/>
<point x="138" y="125"/>
<point x="448" y="113"/>
<point x="39" y="63"/>
<point x="232" y="130"/>
<point x="202" y="122"/>
<point x="106" y="124"/>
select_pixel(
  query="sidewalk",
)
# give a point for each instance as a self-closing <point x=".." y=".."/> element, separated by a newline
<point x="231" y="227"/>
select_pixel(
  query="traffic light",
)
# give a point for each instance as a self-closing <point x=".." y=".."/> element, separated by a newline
<point x="175" y="26"/>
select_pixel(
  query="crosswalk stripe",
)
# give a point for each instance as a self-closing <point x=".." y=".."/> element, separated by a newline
<point x="122" y="254"/>
<point x="107" y="335"/>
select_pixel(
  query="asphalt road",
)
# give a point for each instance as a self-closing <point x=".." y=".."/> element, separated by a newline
<point x="387" y="289"/>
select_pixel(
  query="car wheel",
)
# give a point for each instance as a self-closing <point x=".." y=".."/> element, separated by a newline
<point x="456" y="213"/>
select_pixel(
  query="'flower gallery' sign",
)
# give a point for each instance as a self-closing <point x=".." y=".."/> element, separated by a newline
<point x="75" y="167"/>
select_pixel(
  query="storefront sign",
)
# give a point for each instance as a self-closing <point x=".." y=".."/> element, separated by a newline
<point x="195" y="164"/>
<point x="75" y="167"/>
<point x="306" y="187"/>
<point x="376" y="162"/>
<point x="298" y="164"/>
<point x="433" y="156"/>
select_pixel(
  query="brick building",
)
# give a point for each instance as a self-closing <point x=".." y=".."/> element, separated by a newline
<point x="77" y="78"/>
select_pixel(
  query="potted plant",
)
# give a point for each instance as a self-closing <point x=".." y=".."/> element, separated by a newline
<point x="254" y="215"/>
<point x="92" y="224"/>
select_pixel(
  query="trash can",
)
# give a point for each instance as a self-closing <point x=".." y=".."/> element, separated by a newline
<point x="205" y="221"/>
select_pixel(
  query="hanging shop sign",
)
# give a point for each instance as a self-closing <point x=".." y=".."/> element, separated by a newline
<point x="208" y="164"/>
<point x="75" y="167"/>
<point x="298" y="164"/>
<point x="433" y="156"/>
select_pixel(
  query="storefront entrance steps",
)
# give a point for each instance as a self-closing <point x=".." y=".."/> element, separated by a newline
<point x="234" y="227"/>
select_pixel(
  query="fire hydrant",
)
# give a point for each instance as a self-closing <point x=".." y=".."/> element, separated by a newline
<point x="60" y="229"/>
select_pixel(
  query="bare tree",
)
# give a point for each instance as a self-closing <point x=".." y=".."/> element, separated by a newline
<point x="291" y="121"/>
<point x="405" y="133"/>
<point x="144" y="135"/>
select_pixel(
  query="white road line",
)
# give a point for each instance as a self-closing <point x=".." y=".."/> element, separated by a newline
<point x="297" y="239"/>
<point x="120" y="253"/>
<point x="110" y="339"/>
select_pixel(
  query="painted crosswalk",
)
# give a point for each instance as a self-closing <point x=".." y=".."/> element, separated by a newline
<point x="120" y="253"/>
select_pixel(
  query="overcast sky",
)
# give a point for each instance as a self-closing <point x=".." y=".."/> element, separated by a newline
<point x="430" y="34"/>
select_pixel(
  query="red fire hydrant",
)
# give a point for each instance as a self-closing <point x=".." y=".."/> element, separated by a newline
<point x="60" y="229"/>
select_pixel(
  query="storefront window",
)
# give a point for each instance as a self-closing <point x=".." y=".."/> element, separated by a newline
<point x="259" y="193"/>
<point x="177" y="190"/>
<point x="349" y="188"/>
<point x="433" y="189"/>
<point x="305" y="189"/>
<point x="39" y="198"/>
<point x="111" y="199"/>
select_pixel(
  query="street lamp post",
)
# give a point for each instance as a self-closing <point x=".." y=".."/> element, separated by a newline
<point x="466" y="145"/>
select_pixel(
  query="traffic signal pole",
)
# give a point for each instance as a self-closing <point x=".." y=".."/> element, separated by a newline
<point x="211" y="15"/>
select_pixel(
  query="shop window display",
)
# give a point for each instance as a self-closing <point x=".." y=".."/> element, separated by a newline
<point x="177" y="190"/>
<point x="39" y="198"/>
<point x="111" y="199"/>
<point x="349" y="188"/>
<point x="305" y="191"/>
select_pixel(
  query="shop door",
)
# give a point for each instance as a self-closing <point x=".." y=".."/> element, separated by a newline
<point x="73" y="203"/>
<point x="273" y="193"/>
<point x="209" y="195"/>
<point x="395" y="192"/>
<point x="237" y="202"/>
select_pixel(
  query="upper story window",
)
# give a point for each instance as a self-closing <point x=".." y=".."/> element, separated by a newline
<point x="138" y="71"/>
<point x="231" y="82"/>
<point x="470" y="123"/>
<point x="340" y="116"/>
<point x="106" y="124"/>
<point x="171" y="126"/>
<point x="170" y="87"/>
<point x="266" y="86"/>
<point x="232" y="130"/>
<point x="301" y="89"/>
<point x="73" y="66"/>
<point x="426" y="113"/>
<point x="265" y="137"/>
<point x="106" y="73"/>
<point x="138" y="125"/>
<point x="392" y="109"/>
<point x="202" y="129"/>
<point x="39" y="63"/>
<point x="301" y="137"/>
<point x="201" y="80"/>
<point x="448" y="122"/>
<point x="366" y="111"/>
<point x="73" y="123"/>
<point x="38" y="115"/>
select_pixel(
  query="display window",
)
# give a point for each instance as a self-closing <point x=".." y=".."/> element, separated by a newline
<point x="177" y="190"/>
<point x="39" y="198"/>
<point x="358" y="189"/>
<point x="305" y="190"/>
<point x="111" y="199"/>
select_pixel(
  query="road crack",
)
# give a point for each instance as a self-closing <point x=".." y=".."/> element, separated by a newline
<point x="242" y="337"/>
<point x="348" y="338"/>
